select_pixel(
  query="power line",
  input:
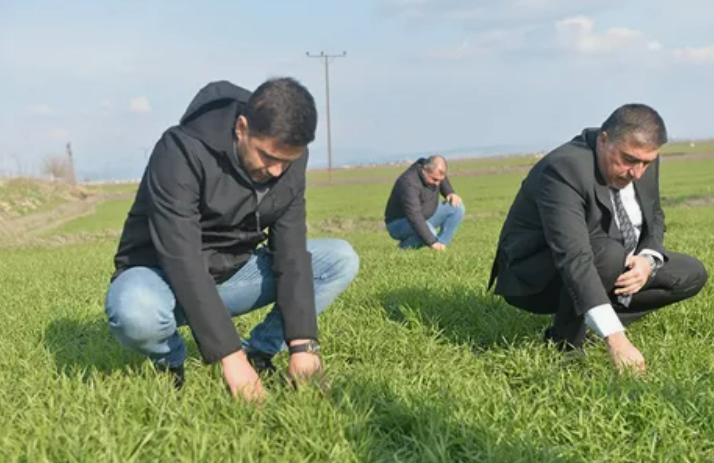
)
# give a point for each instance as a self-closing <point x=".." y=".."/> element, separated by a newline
<point x="327" y="59"/>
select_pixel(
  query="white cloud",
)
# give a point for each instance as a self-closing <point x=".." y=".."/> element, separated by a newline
<point x="58" y="133"/>
<point x="579" y="32"/>
<point x="654" y="45"/>
<point x="700" y="55"/>
<point x="139" y="105"/>
<point x="498" y="14"/>
<point x="533" y="29"/>
<point x="40" y="109"/>
<point x="560" y="39"/>
<point x="486" y="44"/>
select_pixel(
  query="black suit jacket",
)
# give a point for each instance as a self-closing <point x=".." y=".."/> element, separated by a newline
<point x="562" y="205"/>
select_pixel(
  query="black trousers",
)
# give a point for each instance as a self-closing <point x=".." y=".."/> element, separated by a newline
<point x="680" y="278"/>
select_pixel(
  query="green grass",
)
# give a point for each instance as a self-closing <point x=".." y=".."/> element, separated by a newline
<point x="425" y="365"/>
<point x="456" y="167"/>
<point x="109" y="215"/>
<point x="480" y="166"/>
<point x="689" y="147"/>
<point x="114" y="188"/>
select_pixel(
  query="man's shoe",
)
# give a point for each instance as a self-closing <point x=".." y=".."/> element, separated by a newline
<point x="561" y="344"/>
<point x="177" y="374"/>
<point x="261" y="362"/>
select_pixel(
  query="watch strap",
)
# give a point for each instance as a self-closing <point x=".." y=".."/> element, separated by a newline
<point x="311" y="347"/>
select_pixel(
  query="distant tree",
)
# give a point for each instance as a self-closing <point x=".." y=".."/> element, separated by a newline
<point x="58" y="168"/>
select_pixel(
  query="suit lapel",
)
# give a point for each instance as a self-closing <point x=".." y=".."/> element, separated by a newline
<point x="602" y="193"/>
<point x="643" y="202"/>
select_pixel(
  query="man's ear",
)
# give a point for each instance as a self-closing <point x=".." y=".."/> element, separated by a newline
<point x="242" y="127"/>
<point x="604" y="137"/>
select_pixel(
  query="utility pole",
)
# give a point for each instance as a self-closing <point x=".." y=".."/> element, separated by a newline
<point x="327" y="59"/>
<point x="72" y="176"/>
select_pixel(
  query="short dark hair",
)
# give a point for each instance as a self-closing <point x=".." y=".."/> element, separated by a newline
<point x="284" y="109"/>
<point x="638" y="123"/>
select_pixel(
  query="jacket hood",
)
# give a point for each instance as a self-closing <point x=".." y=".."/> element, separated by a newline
<point x="211" y="115"/>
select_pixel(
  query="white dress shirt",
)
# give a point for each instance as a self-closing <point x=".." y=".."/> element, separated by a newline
<point x="602" y="318"/>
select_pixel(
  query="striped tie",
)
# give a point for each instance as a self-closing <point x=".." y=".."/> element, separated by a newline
<point x="629" y="237"/>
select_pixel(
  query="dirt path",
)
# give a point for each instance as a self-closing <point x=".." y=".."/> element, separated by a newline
<point x="23" y="229"/>
<point x="34" y="224"/>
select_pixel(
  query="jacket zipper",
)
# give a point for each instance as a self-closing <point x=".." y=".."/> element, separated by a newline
<point x="257" y="211"/>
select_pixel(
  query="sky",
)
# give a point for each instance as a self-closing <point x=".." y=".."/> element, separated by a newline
<point x="419" y="76"/>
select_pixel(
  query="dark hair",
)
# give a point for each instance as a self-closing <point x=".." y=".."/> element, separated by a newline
<point x="283" y="109"/>
<point x="638" y="123"/>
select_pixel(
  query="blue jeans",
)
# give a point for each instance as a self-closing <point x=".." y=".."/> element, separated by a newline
<point x="143" y="314"/>
<point x="447" y="218"/>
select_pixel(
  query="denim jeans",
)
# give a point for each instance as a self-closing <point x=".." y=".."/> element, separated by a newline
<point x="447" y="219"/>
<point x="143" y="314"/>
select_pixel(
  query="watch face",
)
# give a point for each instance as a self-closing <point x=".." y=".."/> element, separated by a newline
<point x="313" y="347"/>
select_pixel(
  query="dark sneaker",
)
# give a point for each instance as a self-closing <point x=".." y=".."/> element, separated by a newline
<point x="262" y="362"/>
<point x="177" y="374"/>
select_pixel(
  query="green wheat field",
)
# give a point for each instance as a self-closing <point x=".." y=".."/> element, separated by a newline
<point x="424" y="363"/>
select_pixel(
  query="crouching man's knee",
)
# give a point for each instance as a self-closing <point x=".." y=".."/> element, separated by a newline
<point x="139" y="312"/>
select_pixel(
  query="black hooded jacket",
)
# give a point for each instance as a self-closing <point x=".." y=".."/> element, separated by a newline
<point x="416" y="200"/>
<point x="196" y="216"/>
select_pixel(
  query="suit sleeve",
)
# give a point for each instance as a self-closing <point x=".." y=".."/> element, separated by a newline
<point x="173" y="184"/>
<point x="445" y="187"/>
<point x="292" y="267"/>
<point x="562" y="211"/>
<point x="654" y="239"/>
<point x="411" y="205"/>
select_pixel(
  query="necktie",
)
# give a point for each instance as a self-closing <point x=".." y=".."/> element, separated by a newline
<point x="629" y="237"/>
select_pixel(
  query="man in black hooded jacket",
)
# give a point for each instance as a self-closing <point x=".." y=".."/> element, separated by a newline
<point x="230" y="176"/>
<point x="414" y="216"/>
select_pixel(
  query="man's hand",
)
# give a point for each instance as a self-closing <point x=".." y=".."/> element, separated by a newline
<point x="438" y="246"/>
<point x="623" y="354"/>
<point x="635" y="278"/>
<point x="241" y="377"/>
<point x="454" y="199"/>
<point x="303" y="365"/>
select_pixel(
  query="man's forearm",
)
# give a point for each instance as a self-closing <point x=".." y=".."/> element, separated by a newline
<point x="422" y="229"/>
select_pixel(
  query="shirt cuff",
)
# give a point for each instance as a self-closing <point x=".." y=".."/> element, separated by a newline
<point x="659" y="258"/>
<point x="603" y="320"/>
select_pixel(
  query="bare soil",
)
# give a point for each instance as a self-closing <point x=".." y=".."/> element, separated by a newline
<point x="26" y="229"/>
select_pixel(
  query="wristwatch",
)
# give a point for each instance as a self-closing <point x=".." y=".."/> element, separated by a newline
<point x="311" y="347"/>
<point x="653" y="264"/>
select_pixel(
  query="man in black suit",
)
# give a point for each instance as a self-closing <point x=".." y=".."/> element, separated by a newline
<point x="583" y="239"/>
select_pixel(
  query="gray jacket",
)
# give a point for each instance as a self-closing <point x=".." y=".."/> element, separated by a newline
<point x="414" y="199"/>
